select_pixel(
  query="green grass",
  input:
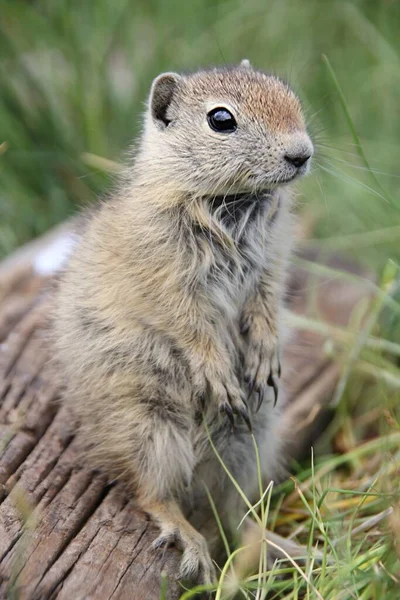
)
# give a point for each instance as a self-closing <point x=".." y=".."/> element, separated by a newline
<point x="344" y="508"/>
<point x="73" y="80"/>
<point x="74" y="76"/>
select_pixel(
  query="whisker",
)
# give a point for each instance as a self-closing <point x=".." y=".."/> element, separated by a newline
<point x="354" y="181"/>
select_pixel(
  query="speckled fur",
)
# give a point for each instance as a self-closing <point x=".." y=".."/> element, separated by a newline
<point x="169" y="308"/>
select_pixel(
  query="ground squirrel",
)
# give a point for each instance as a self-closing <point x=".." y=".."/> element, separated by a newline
<point x="167" y="317"/>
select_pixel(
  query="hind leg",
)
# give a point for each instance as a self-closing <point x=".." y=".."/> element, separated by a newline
<point x="162" y="468"/>
<point x="146" y="435"/>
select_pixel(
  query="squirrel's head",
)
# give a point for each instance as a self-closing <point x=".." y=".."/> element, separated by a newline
<point x="225" y="130"/>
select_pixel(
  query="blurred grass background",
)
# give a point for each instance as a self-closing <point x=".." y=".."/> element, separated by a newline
<point x="74" y="76"/>
<point x="73" y="80"/>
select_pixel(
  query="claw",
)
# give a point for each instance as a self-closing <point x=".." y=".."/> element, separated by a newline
<point x="245" y="416"/>
<point x="226" y="408"/>
<point x="244" y="413"/>
<point x="272" y="383"/>
<point x="203" y="401"/>
<point x="279" y="369"/>
<point x="251" y="383"/>
<point x="245" y="327"/>
<point x="260" y="391"/>
<point x="163" y="541"/>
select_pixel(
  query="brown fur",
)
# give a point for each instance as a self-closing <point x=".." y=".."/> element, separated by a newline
<point x="169" y="310"/>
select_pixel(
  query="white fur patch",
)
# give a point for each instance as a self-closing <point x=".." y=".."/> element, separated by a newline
<point x="54" y="256"/>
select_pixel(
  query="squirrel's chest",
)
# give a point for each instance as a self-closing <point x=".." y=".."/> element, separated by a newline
<point x="233" y="276"/>
<point x="235" y="269"/>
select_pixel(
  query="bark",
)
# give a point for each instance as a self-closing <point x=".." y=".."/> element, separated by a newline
<point x="64" y="532"/>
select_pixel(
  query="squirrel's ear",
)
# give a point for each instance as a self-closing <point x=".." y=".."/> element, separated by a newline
<point x="245" y="63"/>
<point x="162" y="92"/>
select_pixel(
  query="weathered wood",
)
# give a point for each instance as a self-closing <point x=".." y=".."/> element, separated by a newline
<point x="65" y="533"/>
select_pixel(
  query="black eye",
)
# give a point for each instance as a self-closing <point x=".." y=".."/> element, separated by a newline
<point x="220" y="119"/>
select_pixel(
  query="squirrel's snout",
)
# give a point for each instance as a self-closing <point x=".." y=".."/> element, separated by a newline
<point x="297" y="159"/>
<point x="298" y="152"/>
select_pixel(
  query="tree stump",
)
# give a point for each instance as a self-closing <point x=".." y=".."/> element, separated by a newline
<point x="64" y="532"/>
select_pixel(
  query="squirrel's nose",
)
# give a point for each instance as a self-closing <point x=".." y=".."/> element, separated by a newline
<point x="298" y="159"/>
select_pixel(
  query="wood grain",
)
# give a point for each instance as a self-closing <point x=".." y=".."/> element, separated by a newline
<point x="64" y="532"/>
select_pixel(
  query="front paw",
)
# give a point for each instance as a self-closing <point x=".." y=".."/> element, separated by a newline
<point x="225" y="391"/>
<point x="262" y="366"/>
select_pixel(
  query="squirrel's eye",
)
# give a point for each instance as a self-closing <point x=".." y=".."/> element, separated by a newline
<point x="221" y="120"/>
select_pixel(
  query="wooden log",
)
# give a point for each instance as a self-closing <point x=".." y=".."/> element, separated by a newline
<point x="64" y="532"/>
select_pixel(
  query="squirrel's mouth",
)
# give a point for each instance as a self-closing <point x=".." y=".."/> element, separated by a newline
<point x="283" y="180"/>
<point x="272" y="182"/>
